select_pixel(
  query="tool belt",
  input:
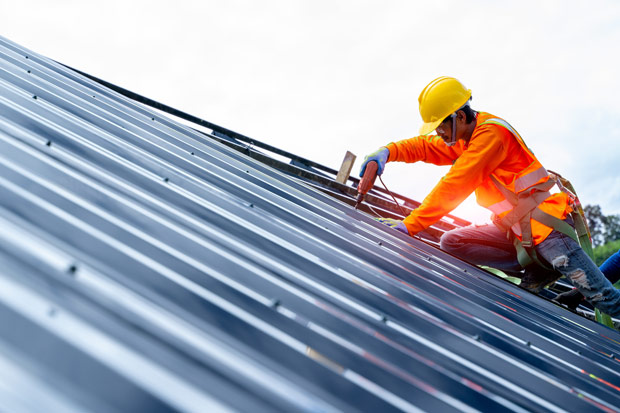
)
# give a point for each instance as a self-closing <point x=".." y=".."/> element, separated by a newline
<point x="525" y="207"/>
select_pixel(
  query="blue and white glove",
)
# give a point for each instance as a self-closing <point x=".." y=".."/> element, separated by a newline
<point x="381" y="156"/>
<point x="394" y="223"/>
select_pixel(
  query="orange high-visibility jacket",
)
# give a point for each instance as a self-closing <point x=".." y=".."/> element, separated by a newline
<point x="494" y="148"/>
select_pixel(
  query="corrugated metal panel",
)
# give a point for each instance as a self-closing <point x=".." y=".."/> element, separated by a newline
<point x="148" y="268"/>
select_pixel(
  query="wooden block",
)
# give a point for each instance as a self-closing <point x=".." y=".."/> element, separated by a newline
<point x="345" y="168"/>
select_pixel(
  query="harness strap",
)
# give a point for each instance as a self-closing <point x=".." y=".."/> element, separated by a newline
<point x="510" y="196"/>
<point x="555" y="223"/>
<point x="523" y="205"/>
<point x="527" y="256"/>
<point x="525" y="208"/>
<point x="581" y="225"/>
<point x="526" y="230"/>
<point x="583" y="233"/>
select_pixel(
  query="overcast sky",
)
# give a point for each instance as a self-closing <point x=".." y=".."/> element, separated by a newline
<point x="318" y="77"/>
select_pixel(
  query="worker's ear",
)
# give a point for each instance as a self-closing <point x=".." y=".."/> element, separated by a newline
<point x="460" y="116"/>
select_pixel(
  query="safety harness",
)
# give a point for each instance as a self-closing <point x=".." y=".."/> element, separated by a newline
<point x="525" y="207"/>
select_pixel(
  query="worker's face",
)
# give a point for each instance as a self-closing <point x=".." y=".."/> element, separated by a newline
<point x="444" y="130"/>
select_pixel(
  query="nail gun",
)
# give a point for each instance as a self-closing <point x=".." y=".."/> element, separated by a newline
<point x="367" y="182"/>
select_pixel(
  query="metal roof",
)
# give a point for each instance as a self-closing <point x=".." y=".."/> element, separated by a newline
<point x="146" y="266"/>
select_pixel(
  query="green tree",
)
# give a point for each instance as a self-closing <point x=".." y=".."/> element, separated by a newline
<point x="605" y="251"/>
<point x="612" y="228"/>
<point x="595" y="217"/>
<point x="603" y="228"/>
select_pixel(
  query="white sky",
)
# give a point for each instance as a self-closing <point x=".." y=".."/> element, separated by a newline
<point x="320" y="77"/>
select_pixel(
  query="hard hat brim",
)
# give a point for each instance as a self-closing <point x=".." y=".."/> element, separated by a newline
<point x="428" y="127"/>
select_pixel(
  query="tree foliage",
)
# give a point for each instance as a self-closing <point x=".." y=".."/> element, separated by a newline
<point x="605" y="251"/>
<point x="603" y="228"/>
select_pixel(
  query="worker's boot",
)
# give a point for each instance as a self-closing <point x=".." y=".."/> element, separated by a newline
<point x="571" y="299"/>
<point x="536" y="278"/>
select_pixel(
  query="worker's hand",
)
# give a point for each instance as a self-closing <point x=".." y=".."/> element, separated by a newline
<point x="394" y="223"/>
<point x="381" y="156"/>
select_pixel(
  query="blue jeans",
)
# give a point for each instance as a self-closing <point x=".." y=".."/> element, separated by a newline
<point x="487" y="245"/>
<point x="611" y="268"/>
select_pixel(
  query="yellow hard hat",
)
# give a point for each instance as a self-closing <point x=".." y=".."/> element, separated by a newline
<point x="439" y="99"/>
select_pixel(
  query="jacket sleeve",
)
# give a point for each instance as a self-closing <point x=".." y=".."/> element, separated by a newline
<point x="430" y="149"/>
<point x="482" y="156"/>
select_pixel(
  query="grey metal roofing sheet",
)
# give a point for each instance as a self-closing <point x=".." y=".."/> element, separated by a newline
<point x="147" y="267"/>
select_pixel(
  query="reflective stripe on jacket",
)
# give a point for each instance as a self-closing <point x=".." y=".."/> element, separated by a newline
<point x="494" y="148"/>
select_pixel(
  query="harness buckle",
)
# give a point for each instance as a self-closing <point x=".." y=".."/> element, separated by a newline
<point x="527" y="244"/>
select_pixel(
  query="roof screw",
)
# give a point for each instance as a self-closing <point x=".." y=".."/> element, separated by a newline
<point x="251" y="205"/>
<point x="611" y="355"/>
<point x="275" y="303"/>
<point x="34" y="97"/>
<point x="152" y="118"/>
<point x="192" y="153"/>
<point x="476" y="337"/>
<point x="380" y="243"/>
<point x="48" y="143"/>
<point x="464" y="269"/>
<point x="72" y="269"/>
<point x="29" y="71"/>
<point x="578" y="351"/>
<point x="384" y="318"/>
<point x="26" y="57"/>
<point x="527" y="343"/>
<point x="166" y="179"/>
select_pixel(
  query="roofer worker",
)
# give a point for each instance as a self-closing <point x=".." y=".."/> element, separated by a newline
<point x="489" y="157"/>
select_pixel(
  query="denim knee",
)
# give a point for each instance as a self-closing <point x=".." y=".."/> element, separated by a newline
<point x="450" y="241"/>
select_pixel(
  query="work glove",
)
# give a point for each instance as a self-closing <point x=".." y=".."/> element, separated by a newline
<point x="394" y="223"/>
<point x="381" y="156"/>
